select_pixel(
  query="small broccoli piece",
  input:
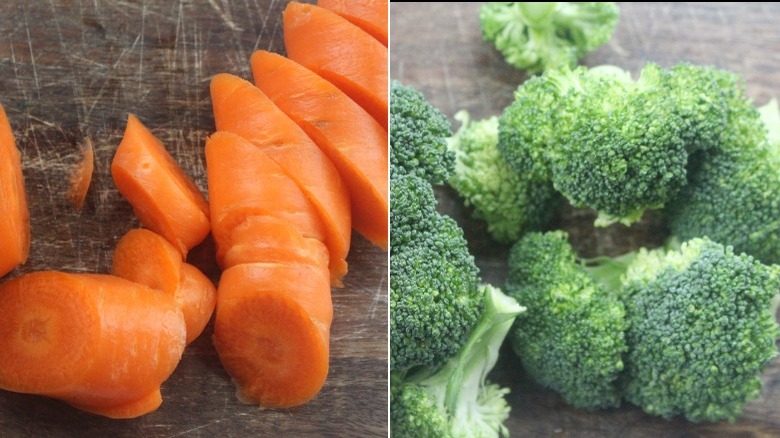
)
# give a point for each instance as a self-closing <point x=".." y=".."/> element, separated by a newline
<point x="537" y="36"/>
<point x="434" y="295"/>
<point x="700" y="330"/>
<point x="456" y="400"/>
<point x="510" y="204"/>
<point x="571" y="339"/>
<point x="418" y="133"/>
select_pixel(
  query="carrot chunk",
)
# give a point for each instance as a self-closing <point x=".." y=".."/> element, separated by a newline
<point x="81" y="176"/>
<point x="369" y="15"/>
<point x="14" y="215"/>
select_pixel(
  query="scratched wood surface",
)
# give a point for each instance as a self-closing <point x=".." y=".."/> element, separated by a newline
<point x="449" y="62"/>
<point x="75" y="68"/>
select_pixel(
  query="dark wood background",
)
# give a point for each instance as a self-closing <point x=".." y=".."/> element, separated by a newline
<point x="75" y="68"/>
<point x="438" y="48"/>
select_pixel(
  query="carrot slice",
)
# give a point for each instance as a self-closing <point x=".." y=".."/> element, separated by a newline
<point x="81" y="176"/>
<point x="369" y="15"/>
<point x="196" y="297"/>
<point x="98" y="342"/>
<point x="14" y="215"/>
<point x="243" y="109"/>
<point x="162" y="195"/>
<point x="340" y="52"/>
<point x="272" y="331"/>
<point x="351" y="138"/>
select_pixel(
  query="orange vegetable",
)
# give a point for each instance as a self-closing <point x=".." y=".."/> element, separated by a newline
<point x="147" y="258"/>
<point x="14" y="216"/>
<point x="369" y="15"/>
<point x="81" y="176"/>
<point x="272" y="331"/>
<point x="101" y="343"/>
<point x="243" y="109"/>
<point x="340" y="52"/>
<point x="162" y="195"/>
<point x="351" y="138"/>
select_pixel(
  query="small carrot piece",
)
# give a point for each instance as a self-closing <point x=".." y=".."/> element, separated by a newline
<point x="196" y="297"/>
<point x="100" y="343"/>
<point x="340" y="52"/>
<point x="165" y="199"/>
<point x="243" y="109"/>
<point x="81" y="176"/>
<point x="369" y="15"/>
<point x="14" y="215"/>
<point x="272" y="331"/>
<point x="351" y="138"/>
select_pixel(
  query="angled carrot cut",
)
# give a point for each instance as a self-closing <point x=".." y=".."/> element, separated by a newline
<point x="14" y="215"/>
<point x="81" y="176"/>
<point x="340" y="52"/>
<point x="351" y="138"/>
<point x="369" y="15"/>
<point x="196" y="297"/>
<point x="165" y="199"/>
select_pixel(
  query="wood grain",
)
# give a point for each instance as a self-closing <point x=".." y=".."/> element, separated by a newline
<point x="449" y="62"/>
<point x="75" y="68"/>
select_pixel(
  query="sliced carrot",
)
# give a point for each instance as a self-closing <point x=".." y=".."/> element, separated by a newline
<point x="272" y="331"/>
<point x="243" y="109"/>
<point x="98" y="342"/>
<point x="340" y="52"/>
<point x="14" y="215"/>
<point x="196" y="297"/>
<point x="369" y="15"/>
<point x="351" y="138"/>
<point x="162" y="195"/>
<point x="81" y="176"/>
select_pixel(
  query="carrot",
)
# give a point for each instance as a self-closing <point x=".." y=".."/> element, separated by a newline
<point x="340" y="52"/>
<point x="162" y="195"/>
<point x="351" y="138"/>
<point x="243" y="109"/>
<point x="81" y="176"/>
<point x="272" y="331"/>
<point x="369" y="15"/>
<point x="14" y="215"/>
<point x="147" y="258"/>
<point x="101" y="343"/>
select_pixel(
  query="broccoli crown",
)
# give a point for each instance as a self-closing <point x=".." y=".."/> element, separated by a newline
<point x="700" y="330"/>
<point x="510" y="204"/>
<point x="418" y="133"/>
<point x="572" y="337"/>
<point x="537" y="36"/>
<point x="456" y="400"/>
<point x="434" y="295"/>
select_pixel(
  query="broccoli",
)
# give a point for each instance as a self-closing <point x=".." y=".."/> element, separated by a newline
<point x="700" y="330"/>
<point x="510" y="204"/>
<point x="418" y="133"/>
<point x="456" y="400"/>
<point x="537" y="36"/>
<point x="571" y="339"/>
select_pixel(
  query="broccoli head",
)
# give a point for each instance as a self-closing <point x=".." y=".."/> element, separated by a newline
<point x="571" y="339"/>
<point x="700" y="330"/>
<point x="537" y="36"/>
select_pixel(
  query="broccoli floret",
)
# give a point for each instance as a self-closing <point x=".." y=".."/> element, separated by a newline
<point x="537" y="36"/>
<point x="418" y="133"/>
<point x="434" y="295"/>
<point x="700" y="330"/>
<point x="509" y="203"/>
<point x="572" y="337"/>
<point x="456" y="400"/>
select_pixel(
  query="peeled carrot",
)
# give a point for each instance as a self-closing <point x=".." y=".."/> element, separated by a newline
<point x="351" y="138"/>
<point x="369" y="15"/>
<point x="272" y="331"/>
<point x="101" y="343"/>
<point x="162" y="195"/>
<point x="243" y="109"/>
<point x="14" y="216"/>
<point x="81" y="176"/>
<point x="196" y="297"/>
<point x="340" y="52"/>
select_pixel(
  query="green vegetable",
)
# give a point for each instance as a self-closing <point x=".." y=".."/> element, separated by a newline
<point x="537" y="36"/>
<point x="456" y="400"/>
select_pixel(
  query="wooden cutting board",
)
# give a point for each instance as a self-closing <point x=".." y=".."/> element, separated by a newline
<point x="73" y="68"/>
<point x="448" y="61"/>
